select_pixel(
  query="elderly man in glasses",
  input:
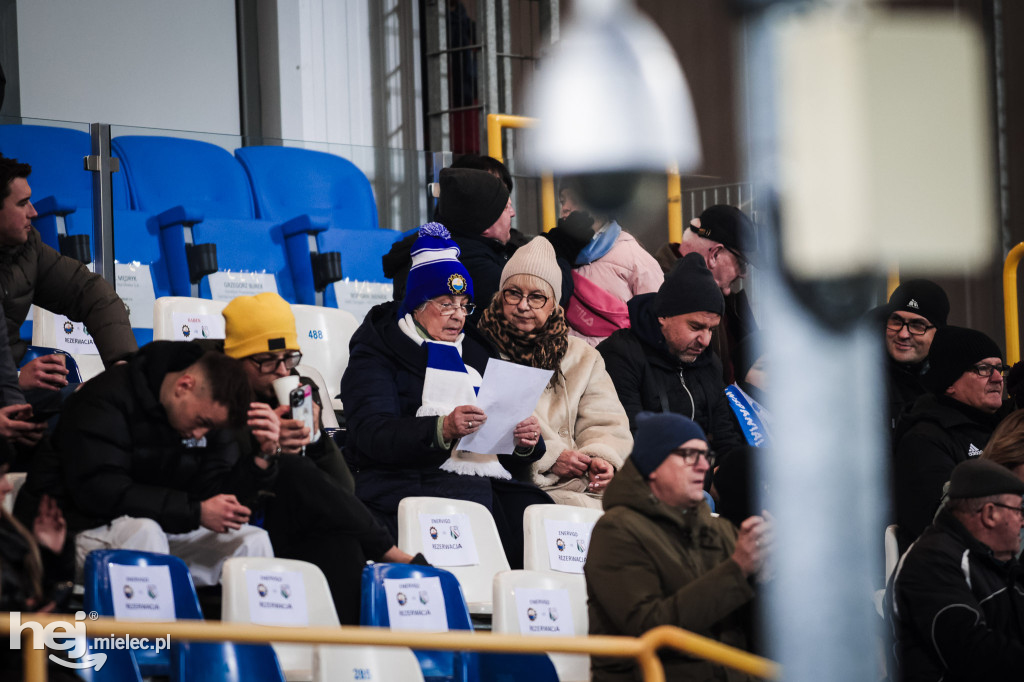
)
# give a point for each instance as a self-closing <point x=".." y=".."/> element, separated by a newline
<point x="957" y="596"/>
<point x="658" y="557"/>
<point x="948" y="425"/>
<point x="725" y="237"/>
<point x="915" y="310"/>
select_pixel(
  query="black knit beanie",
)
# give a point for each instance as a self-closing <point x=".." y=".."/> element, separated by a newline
<point x="922" y="297"/>
<point x="953" y="350"/>
<point x="471" y="200"/>
<point x="689" y="287"/>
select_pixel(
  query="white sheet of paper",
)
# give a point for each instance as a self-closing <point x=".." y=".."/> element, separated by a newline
<point x="544" y="612"/>
<point x="135" y="287"/>
<point x="357" y="297"/>
<point x="448" y="540"/>
<point x="225" y="286"/>
<point x="188" y="326"/>
<point x="416" y="604"/>
<point x="142" y="592"/>
<point x="567" y="544"/>
<point x="276" y="598"/>
<point x="73" y="338"/>
<point x="508" y="395"/>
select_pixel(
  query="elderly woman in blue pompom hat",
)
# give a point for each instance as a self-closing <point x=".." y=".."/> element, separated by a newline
<point x="410" y="394"/>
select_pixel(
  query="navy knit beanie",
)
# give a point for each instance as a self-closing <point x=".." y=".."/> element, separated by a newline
<point x="953" y="350"/>
<point x="436" y="270"/>
<point x="657" y="435"/>
<point x="689" y="287"/>
<point x="471" y="200"/>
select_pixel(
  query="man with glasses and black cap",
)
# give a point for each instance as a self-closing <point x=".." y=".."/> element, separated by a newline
<point x="915" y="310"/>
<point x="725" y="237"/>
<point x="658" y="557"/>
<point x="957" y="596"/>
<point x="948" y="425"/>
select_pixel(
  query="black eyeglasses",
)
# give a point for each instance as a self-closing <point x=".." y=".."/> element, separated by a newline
<point x="269" y="364"/>
<point x="1019" y="510"/>
<point x="915" y="327"/>
<point x="691" y="455"/>
<point x="741" y="261"/>
<point x="985" y="371"/>
<point x="513" y="297"/>
<point x="448" y="309"/>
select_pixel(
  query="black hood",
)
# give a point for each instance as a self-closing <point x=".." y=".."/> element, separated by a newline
<point x="398" y="259"/>
<point x="644" y="324"/>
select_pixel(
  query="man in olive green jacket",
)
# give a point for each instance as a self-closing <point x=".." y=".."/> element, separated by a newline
<point x="658" y="557"/>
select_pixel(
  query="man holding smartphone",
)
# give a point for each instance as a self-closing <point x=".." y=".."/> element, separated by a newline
<point x="311" y="511"/>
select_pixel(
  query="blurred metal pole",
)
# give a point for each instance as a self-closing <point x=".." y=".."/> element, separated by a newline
<point x="102" y="165"/>
<point x="826" y="471"/>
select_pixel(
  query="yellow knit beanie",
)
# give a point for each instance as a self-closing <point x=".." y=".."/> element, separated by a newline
<point x="263" y="323"/>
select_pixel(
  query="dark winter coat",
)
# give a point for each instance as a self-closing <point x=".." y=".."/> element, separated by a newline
<point x="903" y="382"/>
<point x="648" y="377"/>
<point x="650" y="564"/>
<point x="931" y="439"/>
<point x="118" y="455"/>
<point x="483" y="257"/>
<point x="35" y="273"/>
<point x="958" y="611"/>
<point x="393" y="449"/>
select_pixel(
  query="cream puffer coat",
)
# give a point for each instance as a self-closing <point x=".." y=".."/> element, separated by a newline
<point x="582" y="412"/>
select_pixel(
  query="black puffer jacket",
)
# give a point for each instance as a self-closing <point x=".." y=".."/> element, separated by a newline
<point x="958" y="611"/>
<point x="647" y="376"/>
<point x="34" y="273"/>
<point x="118" y="455"/>
<point x="931" y="439"/>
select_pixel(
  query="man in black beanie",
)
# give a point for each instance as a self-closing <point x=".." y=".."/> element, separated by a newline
<point x="915" y="310"/>
<point x="725" y="236"/>
<point x="948" y="425"/>
<point x="476" y="208"/>
<point x="958" y="595"/>
<point x="663" y="362"/>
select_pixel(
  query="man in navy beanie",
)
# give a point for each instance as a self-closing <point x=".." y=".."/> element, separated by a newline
<point x="949" y="424"/>
<point x="663" y="362"/>
<point x="658" y="557"/>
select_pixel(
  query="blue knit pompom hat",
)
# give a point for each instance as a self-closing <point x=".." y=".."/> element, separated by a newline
<point x="657" y="435"/>
<point x="436" y="270"/>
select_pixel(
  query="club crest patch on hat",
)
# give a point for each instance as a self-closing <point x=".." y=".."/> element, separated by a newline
<point x="276" y="344"/>
<point x="457" y="284"/>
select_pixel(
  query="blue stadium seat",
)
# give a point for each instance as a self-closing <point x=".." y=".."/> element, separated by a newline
<point x="290" y="181"/>
<point x="62" y="187"/>
<point x="187" y="183"/>
<point x="436" y="665"/>
<point x="496" y="667"/>
<point x="225" y="662"/>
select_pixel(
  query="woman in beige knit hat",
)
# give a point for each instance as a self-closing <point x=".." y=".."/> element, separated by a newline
<point x="583" y="424"/>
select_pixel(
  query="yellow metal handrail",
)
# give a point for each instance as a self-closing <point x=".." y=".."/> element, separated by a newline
<point x="643" y="649"/>
<point x="498" y="122"/>
<point x="549" y="216"/>
<point x="1010" y="311"/>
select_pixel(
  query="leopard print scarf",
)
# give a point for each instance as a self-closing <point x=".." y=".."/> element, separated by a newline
<point x="543" y="348"/>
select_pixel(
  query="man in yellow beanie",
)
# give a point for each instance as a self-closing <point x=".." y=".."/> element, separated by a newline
<point x="310" y="511"/>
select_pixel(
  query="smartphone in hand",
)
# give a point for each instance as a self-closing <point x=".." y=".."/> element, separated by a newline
<point x="301" y="401"/>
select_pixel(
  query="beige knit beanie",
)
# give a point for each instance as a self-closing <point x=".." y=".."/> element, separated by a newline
<point x="536" y="258"/>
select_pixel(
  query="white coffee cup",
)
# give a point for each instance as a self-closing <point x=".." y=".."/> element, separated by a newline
<point x="283" y="386"/>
